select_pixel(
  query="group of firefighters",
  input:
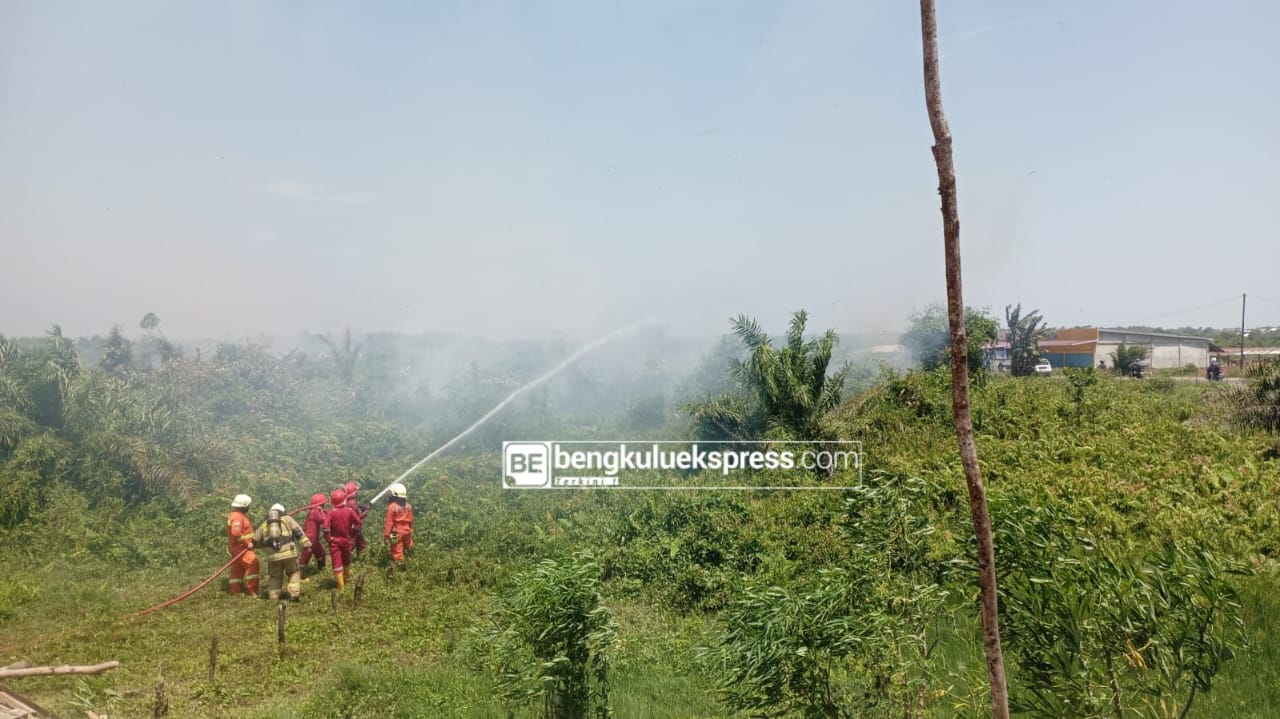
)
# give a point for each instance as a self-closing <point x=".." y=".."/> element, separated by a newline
<point x="336" y="520"/>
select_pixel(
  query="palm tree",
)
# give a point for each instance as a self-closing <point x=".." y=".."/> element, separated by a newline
<point x="780" y="391"/>
<point x="166" y="349"/>
<point x="1024" y="332"/>
<point x="150" y="322"/>
<point x="1257" y="404"/>
<point x="344" y="355"/>
<point x="117" y="353"/>
<point x="15" y="397"/>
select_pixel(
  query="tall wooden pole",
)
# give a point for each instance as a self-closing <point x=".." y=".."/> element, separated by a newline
<point x="942" y="157"/>
<point x="1243" y="297"/>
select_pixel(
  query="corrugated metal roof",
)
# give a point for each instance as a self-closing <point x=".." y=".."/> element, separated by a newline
<point x="1154" y="334"/>
<point x="1051" y="344"/>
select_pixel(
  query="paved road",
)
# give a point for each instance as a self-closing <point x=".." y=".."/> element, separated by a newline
<point x="1226" y="380"/>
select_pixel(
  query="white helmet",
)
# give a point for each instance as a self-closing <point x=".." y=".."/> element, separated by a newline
<point x="277" y="507"/>
<point x="398" y="491"/>
<point x="242" y="501"/>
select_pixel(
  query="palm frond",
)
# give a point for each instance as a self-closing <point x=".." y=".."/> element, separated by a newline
<point x="748" y="331"/>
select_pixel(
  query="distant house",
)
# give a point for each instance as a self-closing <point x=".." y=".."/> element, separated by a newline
<point x="1232" y="354"/>
<point x="892" y="355"/>
<point x="998" y="354"/>
<point x="1086" y="346"/>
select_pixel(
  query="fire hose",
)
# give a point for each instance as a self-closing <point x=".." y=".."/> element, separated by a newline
<point x="525" y="388"/>
<point x="205" y="583"/>
<point x="191" y="591"/>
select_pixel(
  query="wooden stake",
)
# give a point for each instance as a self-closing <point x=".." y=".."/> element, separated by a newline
<point x="945" y="163"/>
<point x="333" y="602"/>
<point x="359" y="588"/>
<point x="213" y="658"/>
<point x="162" y="705"/>
<point x="280" y="612"/>
<point x="64" y="669"/>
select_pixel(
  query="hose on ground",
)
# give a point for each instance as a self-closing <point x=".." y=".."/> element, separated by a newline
<point x="189" y="592"/>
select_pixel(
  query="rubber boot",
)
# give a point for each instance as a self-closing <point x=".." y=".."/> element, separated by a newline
<point x="346" y="573"/>
<point x="341" y="578"/>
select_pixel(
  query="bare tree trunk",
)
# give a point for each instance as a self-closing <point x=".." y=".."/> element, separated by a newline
<point x="959" y="364"/>
<point x="29" y="671"/>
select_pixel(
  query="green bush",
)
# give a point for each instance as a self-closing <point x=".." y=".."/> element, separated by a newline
<point x="550" y="638"/>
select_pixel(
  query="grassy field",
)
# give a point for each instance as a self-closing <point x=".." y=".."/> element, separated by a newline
<point x="400" y="653"/>
<point x="1137" y="462"/>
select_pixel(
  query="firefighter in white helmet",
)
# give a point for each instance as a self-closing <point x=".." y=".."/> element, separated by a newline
<point x="397" y="530"/>
<point x="281" y="534"/>
<point x="244" y="570"/>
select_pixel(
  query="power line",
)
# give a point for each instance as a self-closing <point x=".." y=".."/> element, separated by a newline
<point x="1233" y="299"/>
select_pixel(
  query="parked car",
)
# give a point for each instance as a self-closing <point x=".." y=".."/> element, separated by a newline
<point x="1044" y="368"/>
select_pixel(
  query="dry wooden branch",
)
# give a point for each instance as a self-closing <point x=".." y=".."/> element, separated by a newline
<point x="942" y="157"/>
<point x="64" y="669"/>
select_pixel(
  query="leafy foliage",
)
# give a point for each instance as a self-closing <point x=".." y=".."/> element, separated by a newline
<point x="1080" y="379"/>
<point x="928" y="336"/>
<point x="1257" y="404"/>
<point x="1106" y="633"/>
<point x="857" y="639"/>
<point x="344" y="353"/>
<point x="1127" y="355"/>
<point x="550" y="637"/>
<point x="117" y="353"/>
<point x="1088" y="481"/>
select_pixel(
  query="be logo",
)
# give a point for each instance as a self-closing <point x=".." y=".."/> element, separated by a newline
<point x="526" y="464"/>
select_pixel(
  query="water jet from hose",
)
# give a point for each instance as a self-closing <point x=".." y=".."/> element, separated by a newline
<point x="588" y="347"/>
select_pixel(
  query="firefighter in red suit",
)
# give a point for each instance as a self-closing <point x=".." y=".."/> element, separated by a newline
<point x="360" y="544"/>
<point x="315" y="526"/>
<point x="344" y="527"/>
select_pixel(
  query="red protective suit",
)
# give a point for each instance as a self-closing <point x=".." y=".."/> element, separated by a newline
<point x="399" y="522"/>
<point x="360" y="543"/>
<point x="344" y="527"/>
<point x="244" y="573"/>
<point x="314" y="528"/>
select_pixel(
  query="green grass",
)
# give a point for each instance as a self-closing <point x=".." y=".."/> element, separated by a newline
<point x="1138" y="461"/>
<point x="399" y="654"/>
<point x="1250" y="684"/>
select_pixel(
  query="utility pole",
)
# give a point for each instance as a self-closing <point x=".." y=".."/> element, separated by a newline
<point x="1243" y="297"/>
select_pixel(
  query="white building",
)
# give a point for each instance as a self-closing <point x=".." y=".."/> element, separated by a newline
<point x="1087" y="346"/>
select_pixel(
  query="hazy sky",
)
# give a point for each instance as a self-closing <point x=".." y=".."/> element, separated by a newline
<point x="523" y="168"/>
